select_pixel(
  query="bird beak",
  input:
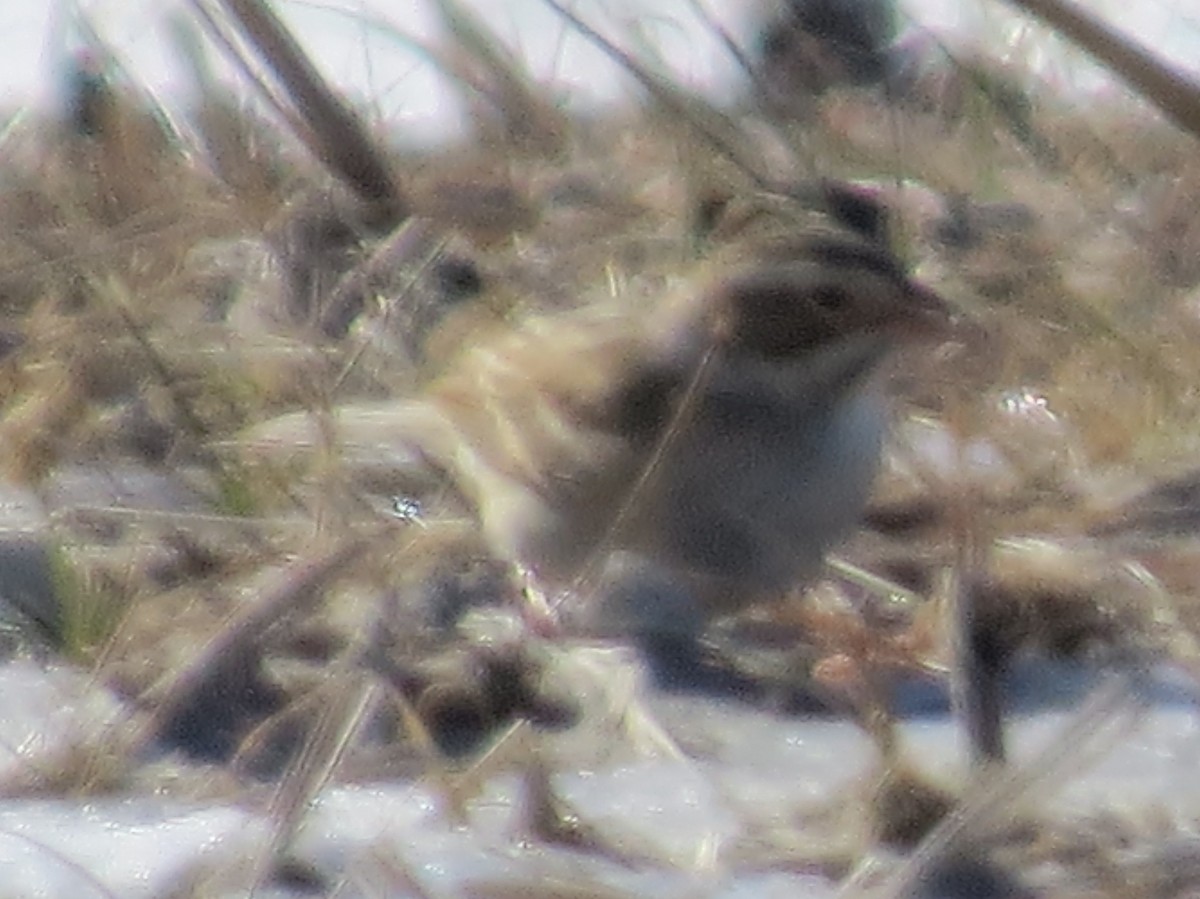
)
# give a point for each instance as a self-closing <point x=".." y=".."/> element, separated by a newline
<point x="926" y="315"/>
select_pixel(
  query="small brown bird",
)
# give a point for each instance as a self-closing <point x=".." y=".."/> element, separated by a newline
<point x="690" y="458"/>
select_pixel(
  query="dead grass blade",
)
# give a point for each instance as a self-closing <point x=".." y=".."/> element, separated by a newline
<point x="338" y="137"/>
<point x="1110" y="711"/>
<point x="1171" y="90"/>
<point x="529" y="119"/>
<point x="707" y="122"/>
<point x="297" y="589"/>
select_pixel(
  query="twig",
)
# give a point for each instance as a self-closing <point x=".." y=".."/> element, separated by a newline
<point x="1168" y="88"/>
<point x="339" y="139"/>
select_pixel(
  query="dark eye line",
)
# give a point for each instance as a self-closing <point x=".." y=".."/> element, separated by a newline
<point x="864" y="257"/>
<point x="829" y="296"/>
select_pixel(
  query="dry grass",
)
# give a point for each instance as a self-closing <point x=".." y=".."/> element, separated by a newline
<point x="149" y="322"/>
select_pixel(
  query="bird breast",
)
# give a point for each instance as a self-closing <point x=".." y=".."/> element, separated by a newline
<point x="602" y="437"/>
<point x="766" y="474"/>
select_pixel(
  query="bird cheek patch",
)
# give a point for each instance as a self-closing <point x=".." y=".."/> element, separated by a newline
<point x="776" y="318"/>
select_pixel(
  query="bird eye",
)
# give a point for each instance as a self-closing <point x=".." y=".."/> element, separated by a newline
<point x="829" y="298"/>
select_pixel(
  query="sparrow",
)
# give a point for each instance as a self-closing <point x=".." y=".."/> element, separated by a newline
<point x="671" y="462"/>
